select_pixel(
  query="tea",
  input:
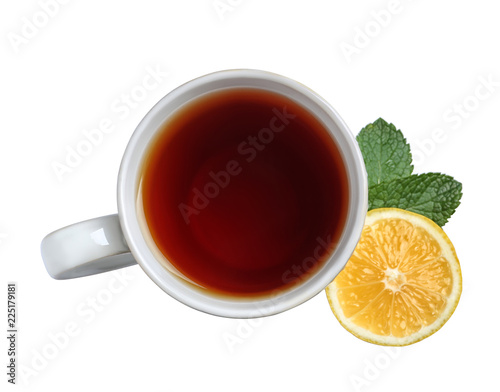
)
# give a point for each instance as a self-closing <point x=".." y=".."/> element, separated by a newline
<point x="244" y="192"/>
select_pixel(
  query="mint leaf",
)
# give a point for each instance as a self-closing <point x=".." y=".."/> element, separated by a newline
<point x="433" y="195"/>
<point x="385" y="151"/>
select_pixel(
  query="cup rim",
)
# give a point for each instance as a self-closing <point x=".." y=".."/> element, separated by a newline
<point x="236" y="307"/>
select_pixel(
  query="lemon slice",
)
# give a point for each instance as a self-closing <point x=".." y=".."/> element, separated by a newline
<point x="402" y="282"/>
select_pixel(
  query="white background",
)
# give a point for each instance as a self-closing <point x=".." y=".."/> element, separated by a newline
<point x="426" y="60"/>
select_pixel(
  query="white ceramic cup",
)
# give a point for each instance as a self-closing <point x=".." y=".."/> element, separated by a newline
<point x="116" y="241"/>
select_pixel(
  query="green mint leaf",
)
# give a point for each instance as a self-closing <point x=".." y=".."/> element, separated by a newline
<point x="385" y="151"/>
<point x="433" y="195"/>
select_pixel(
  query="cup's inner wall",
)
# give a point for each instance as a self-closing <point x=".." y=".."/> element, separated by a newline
<point x="243" y="193"/>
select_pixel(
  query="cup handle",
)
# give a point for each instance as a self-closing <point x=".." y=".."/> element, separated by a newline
<point x="86" y="248"/>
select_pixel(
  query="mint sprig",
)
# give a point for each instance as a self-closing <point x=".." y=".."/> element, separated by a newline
<point x="391" y="184"/>
<point x="385" y="151"/>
